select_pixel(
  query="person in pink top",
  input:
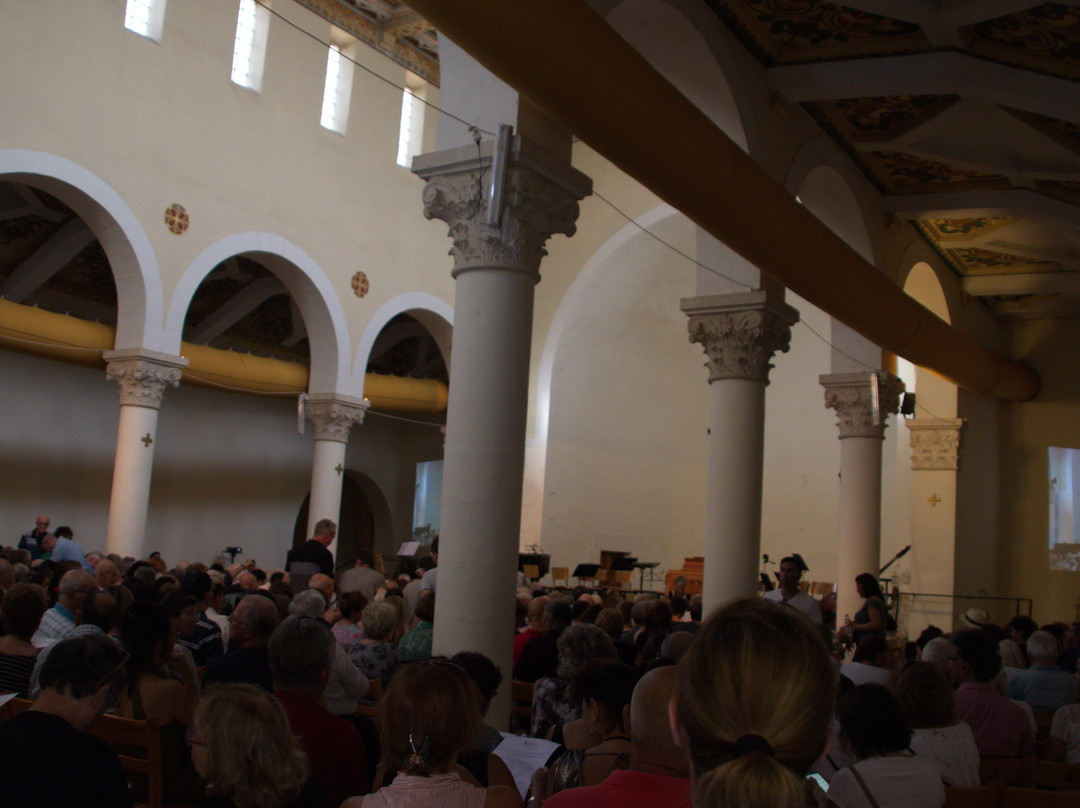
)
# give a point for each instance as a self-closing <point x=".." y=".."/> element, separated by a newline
<point x="429" y="714"/>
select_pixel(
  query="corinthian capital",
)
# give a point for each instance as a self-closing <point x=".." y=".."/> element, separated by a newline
<point x="935" y="443"/>
<point x="540" y="199"/>
<point x="333" y="417"/>
<point x="852" y="396"/>
<point x="143" y="375"/>
<point x="740" y="333"/>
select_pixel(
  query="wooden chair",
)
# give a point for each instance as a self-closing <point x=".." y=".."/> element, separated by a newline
<point x="521" y="698"/>
<point x="375" y="693"/>
<point x="1060" y="776"/>
<point x="1008" y="771"/>
<point x="975" y="797"/>
<point x="1015" y="797"/>
<point x="1043" y="720"/>
<point x="138" y="747"/>
<point x="531" y="571"/>
<point x="560" y="574"/>
<point x="13" y="707"/>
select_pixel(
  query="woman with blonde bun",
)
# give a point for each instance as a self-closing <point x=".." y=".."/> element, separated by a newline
<point x="756" y="692"/>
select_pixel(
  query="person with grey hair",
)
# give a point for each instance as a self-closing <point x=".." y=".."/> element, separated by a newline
<point x="553" y="703"/>
<point x="346" y="684"/>
<point x="83" y="677"/>
<point x="1044" y="685"/>
<point x="937" y="652"/>
<point x="375" y="655"/>
<point x="301" y="654"/>
<point x="61" y="619"/>
<point x="251" y="624"/>
<point x="313" y="556"/>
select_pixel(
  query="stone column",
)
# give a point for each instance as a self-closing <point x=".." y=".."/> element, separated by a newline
<point x="859" y="541"/>
<point x="332" y="416"/>
<point x="142" y="376"/>
<point x="740" y="333"/>
<point x="496" y="268"/>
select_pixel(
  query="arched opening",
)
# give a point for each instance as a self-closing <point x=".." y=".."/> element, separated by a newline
<point x="365" y="523"/>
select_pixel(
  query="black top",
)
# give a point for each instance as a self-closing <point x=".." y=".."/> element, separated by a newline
<point x="79" y="771"/>
<point x="313" y="552"/>
<point x="539" y="658"/>
<point x="250" y="665"/>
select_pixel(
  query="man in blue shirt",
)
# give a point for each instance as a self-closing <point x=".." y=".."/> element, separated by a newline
<point x="1044" y="685"/>
<point x="64" y="549"/>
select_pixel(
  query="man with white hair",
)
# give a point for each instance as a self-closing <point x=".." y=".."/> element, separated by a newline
<point x="61" y="619"/>
<point x="1044" y="685"/>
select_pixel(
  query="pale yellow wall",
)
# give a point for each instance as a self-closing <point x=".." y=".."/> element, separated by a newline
<point x="1027" y="431"/>
<point x="163" y="123"/>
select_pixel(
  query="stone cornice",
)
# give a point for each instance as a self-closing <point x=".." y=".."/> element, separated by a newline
<point x="540" y="199"/>
<point x="143" y="375"/>
<point x="851" y="396"/>
<point x="333" y="416"/>
<point x="740" y="333"/>
<point x="936" y="443"/>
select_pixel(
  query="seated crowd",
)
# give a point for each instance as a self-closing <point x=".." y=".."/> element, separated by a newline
<point x="330" y="695"/>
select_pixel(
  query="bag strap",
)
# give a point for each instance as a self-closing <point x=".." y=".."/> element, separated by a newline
<point x="866" y="790"/>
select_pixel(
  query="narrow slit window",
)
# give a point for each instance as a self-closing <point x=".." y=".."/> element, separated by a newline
<point x="337" y="89"/>
<point x="411" y="130"/>
<point x="145" y="18"/>
<point x="249" y="48"/>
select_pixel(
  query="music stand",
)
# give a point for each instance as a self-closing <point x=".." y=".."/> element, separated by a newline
<point x="586" y="571"/>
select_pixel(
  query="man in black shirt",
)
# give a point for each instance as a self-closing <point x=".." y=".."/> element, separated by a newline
<point x="312" y="557"/>
<point x="80" y="680"/>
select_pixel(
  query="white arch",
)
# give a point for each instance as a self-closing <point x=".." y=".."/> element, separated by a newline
<point x="310" y="288"/>
<point x="595" y="264"/>
<point x="132" y="259"/>
<point x="434" y="313"/>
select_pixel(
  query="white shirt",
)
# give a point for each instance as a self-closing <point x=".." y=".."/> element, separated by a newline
<point x="800" y="601"/>
<point x="952" y="750"/>
<point x="895" y="782"/>
<point x="1066" y="725"/>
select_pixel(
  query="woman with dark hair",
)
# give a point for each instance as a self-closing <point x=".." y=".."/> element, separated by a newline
<point x="146" y="632"/>
<point x="928" y="704"/>
<point x="416" y="644"/>
<point x="870" y="619"/>
<point x="241" y="742"/>
<point x="579" y="645"/>
<point x="429" y="715"/>
<point x="887" y="774"/>
<point x="598" y="742"/>
<point x="348" y="631"/>
<point x="20" y="613"/>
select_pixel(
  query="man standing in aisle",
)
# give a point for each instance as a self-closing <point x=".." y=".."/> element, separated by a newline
<point x="312" y="556"/>
<point x="31" y="540"/>
<point x="789" y="593"/>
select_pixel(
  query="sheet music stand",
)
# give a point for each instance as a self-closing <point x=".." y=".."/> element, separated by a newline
<point x="586" y="571"/>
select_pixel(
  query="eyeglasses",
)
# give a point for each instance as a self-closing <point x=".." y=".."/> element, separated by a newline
<point x="42" y="524"/>
<point x="190" y="738"/>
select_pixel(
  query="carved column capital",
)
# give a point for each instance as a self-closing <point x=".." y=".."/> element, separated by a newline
<point x="333" y="416"/>
<point x="143" y="375"/>
<point x="936" y="443"/>
<point x="540" y="199"/>
<point x="740" y="333"/>
<point x="851" y="395"/>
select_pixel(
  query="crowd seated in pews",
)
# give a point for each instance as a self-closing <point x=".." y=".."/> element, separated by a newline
<point x="265" y="696"/>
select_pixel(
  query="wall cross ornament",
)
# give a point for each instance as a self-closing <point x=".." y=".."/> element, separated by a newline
<point x="933" y="499"/>
<point x="147" y="440"/>
<point x="339" y="468"/>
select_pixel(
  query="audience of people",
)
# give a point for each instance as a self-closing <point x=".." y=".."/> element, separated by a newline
<point x="749" y="720"/>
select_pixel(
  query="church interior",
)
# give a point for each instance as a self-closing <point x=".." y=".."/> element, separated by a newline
<point x="235" y="194"/>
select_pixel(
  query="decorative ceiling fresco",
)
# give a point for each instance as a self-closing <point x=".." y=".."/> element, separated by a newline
<point x="964" y="115"/>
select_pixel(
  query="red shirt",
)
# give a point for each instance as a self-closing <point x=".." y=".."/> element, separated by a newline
<point x="627" y="789"/>
<point x="522" y="639"/>
<point x="334" y="748"/>
<point x="1001" y="728"/>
